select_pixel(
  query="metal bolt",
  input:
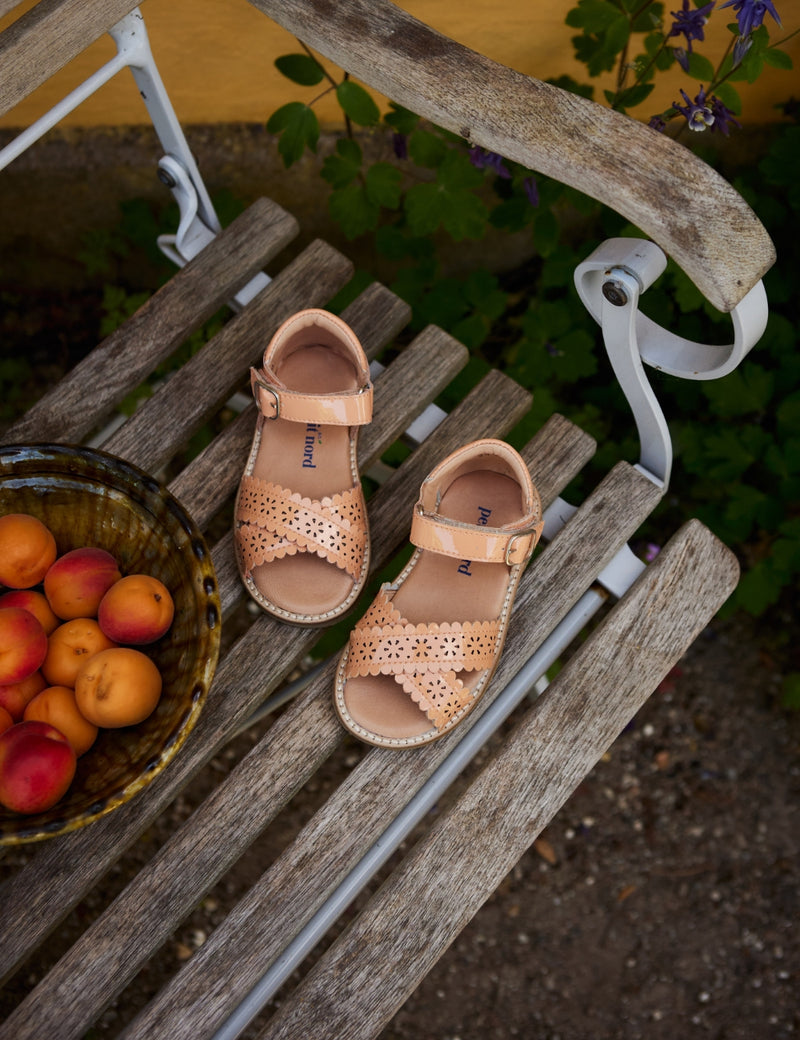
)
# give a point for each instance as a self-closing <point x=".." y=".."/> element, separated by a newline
<point x="166" y="177"/>
<point x="615" y="293"/>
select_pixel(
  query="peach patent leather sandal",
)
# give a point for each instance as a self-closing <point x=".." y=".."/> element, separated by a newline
<point x="422" y="656"/>
<point x="301" y="533"/>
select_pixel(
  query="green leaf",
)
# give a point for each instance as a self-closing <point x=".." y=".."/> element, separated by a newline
<point x="546" y="231"/>
<point x="593" y="16"/>
<point x="300" y="68"/>
<point x="758" y="588"/>
<point x="786" y="548"/>
<point x="634" y="96"/>
<point x="745" y="391"/>
<point x="456" y="172"/>
<point x="512" y="214"/>
<point x="576" y="356"/>
<point x="700" y="68"/>
<point x="383" y="185"/>
<point x="298" y="127"/>
<point x="354" y="211"/>
<point x="650" y="15"/>
<point x="350" y="150"/>
<point x="429" y="206"/>
<point x="400" y="119"/>
<point x="471" y="331"/>
<point x="341" y="169"/>
<point x="426" y="149"/>
<point x="395" y="244"/>
<point x="730" y="97"/>
<point x="482" y="290"/>
<point x="422" y="208"/>
<point x="618" y="34"/>
<point x="742" y="511"/>
<point x="752" y="65"/>
<point x="464" y="215"/>
<point x="778" y="59"/>
<point x="357" y="103"/>
<point x="788" y="414"/>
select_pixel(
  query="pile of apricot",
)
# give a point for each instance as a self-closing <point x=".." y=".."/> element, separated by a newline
<point x="70" y="628"/>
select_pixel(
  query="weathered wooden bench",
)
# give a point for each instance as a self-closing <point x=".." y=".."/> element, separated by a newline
<point x="549" y="745"/>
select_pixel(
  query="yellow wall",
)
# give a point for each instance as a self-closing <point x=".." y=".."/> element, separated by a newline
<point x="216" y="58"/>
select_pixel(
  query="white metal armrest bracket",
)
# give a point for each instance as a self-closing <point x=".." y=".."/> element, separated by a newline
<point x="610" y="282"/>
<point x="177" y="169"/>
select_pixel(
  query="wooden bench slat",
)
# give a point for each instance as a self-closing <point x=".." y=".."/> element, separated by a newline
<point x="194" y="392"/>
<point x="44" y="39"/>
<point x="123" y="360"/>
<point x="287" y="895"/>
<point x="255" y="665"/>
<point x="364" y="978"/>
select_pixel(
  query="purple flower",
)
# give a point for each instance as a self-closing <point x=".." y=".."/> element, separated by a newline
<point x="698" y="114"/>
<point x="690" y="22"/>
<point x="723" y="117"/>
<point x="400" y="146"/>
<point x="740" y="48"/>
<point x="531" y="189"/>
<point x="651" y="550"/>
<point x="658" y="123"/>
<point x="750" y="13"/>
<point x="484" y="160"/>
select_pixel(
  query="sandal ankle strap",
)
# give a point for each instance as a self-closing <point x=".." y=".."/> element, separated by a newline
<point x="349" y="408"/>
<point x="474" y="542"/>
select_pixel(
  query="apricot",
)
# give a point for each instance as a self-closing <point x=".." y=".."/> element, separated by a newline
<point x="35" y="603"/>
<point x="15" y="697"/>
<point x="70" y="646"/>
<point x="23" y="644"/>
<point x="37" y="765"/>
<point x="136" y="609"/>
<point x="27" y="550"/>
<point x="78" y="580"/>
<point x="6" y="722"/>
<point x="57" y="706"/>
<point x="118" y="687"/>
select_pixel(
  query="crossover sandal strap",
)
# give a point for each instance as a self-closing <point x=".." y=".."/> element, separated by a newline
<point x="424" y="659"/>
<point x="274" y="522"/>
<point x="349" y="408"/>
<point x="472" y="541"/>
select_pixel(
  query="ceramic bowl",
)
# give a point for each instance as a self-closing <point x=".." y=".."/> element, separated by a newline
<point x="88" y="497"/>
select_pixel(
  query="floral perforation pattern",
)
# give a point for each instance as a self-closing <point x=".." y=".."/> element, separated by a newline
<point x="274" y="522"/>
<point x="424" y="659"/>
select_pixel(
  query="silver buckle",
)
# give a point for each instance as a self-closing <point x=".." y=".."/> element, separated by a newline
<point x="274" y="392"/>
<point x="514" y="537"/>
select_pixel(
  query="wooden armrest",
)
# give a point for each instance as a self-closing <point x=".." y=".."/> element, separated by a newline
<point x="688" y="209"/>
<point x="44" y="39"/>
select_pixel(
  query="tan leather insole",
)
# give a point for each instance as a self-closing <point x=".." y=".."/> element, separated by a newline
<point x="313" y="460"/>
<point x="442" y="589"/>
